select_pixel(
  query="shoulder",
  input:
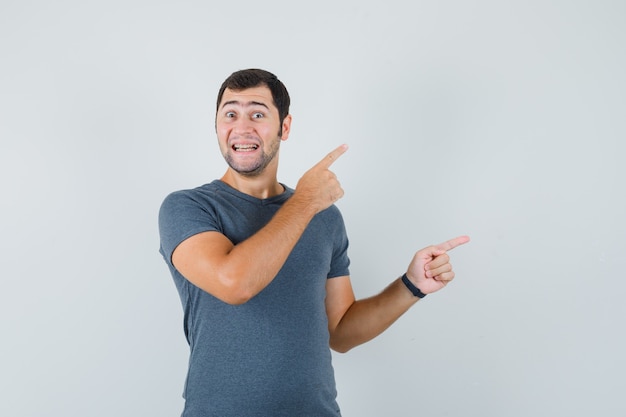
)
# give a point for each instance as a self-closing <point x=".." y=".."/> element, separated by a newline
<point x="331" y="214"/>
<point x="331" y="219"/>
<point x="185" y="213"/>
<point x="194" y="196"/>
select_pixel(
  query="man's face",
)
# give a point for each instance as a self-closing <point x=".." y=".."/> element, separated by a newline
<point x="247" y="124"/>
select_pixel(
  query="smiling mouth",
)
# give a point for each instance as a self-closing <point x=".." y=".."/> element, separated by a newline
<point x="245" y="147"/>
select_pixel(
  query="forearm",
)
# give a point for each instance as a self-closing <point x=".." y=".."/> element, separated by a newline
<point x="236" y="273"/>
<point x="369" y="317"/>
<point x="256" y="261"/>
<point x="252" y="264"/>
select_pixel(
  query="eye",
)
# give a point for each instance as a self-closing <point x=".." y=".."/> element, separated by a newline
<point x="230" y="114"/>
<point x="257" y="115"/>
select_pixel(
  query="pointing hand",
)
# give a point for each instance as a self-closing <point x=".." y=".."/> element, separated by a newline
<point x="319" y="186"/>
<point x="430" y="270"/>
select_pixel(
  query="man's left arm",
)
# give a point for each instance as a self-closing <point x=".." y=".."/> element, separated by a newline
<point x="352" y="322"/>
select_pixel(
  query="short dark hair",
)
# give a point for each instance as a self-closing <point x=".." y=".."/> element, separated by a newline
<point x="250" y="78"/>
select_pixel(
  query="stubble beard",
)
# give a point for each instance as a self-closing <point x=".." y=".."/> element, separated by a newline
<point x="257" y="167"/>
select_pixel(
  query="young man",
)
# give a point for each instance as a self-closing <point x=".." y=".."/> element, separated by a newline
<point x="262" y="270"/>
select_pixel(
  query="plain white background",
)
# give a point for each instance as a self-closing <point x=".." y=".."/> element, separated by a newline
<point x="500" y="120"/>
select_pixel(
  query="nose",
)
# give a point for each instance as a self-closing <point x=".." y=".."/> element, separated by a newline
<point x="242" y="125"/>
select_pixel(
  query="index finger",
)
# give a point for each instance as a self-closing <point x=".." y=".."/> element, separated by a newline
<point x="453" y="243"/>
<point x="332" y="156"/>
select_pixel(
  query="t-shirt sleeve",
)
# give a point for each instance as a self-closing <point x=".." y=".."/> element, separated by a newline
<point x="181" y="216"/>
<point x="340" y="263"/>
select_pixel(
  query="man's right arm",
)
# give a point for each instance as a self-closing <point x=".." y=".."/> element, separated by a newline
<point x="236" y="273"/>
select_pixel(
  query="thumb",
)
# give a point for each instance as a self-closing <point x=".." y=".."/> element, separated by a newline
<point x="431" y="252"/>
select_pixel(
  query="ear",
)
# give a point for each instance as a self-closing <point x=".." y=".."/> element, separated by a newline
<point x="286" y="127"/>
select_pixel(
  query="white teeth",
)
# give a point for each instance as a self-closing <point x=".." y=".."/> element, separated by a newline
<point x="245" y="147"/>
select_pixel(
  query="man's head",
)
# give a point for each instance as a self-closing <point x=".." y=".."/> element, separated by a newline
<point x="249" y="78"/>
<point x="251" y="119"/>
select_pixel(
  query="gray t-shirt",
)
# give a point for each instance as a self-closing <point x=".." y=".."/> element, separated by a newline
<point x="269" y="356"/>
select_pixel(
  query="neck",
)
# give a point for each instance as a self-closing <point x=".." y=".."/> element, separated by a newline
<point x="261" y="186"/>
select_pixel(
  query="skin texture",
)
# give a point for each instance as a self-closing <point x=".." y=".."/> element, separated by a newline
<point x="247" y="127"/>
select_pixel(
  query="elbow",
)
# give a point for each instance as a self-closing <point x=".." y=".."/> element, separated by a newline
<point x="231" y="283"/>
<point x="234" y="300"/>
<point x="236" y="297"/>
<point x="233" y="292"/>
<point x="339" y="347"/>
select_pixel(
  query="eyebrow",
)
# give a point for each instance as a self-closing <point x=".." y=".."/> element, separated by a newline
<point x="246" y="104"/>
